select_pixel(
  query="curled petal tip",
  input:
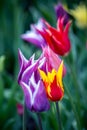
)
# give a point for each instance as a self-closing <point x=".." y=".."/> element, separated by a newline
<point x="66" y="30"/>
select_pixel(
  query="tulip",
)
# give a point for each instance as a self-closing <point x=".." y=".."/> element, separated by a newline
<point x="33" y="36"/>
<point x="61" y="12"/>
<point x="57" y="39"/>
<point x="53" y="83"/>
<point x="31" y="83"/>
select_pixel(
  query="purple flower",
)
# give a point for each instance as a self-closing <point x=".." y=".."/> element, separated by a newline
<point x="60" y="12"/>
<point x="31" y="83"/>
<point x="33" y="36"/>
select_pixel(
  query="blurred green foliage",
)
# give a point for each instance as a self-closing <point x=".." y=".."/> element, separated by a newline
<point x="15" y="18"/>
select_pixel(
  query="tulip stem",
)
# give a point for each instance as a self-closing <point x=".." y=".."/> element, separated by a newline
<point x="24" y="126"/>
<point x="58" y="116"/>
<point x="39" y="121"/>
<point x="73" y="107"/>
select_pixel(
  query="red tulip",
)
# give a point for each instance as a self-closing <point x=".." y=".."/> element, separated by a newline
<point x="57" y="39"/>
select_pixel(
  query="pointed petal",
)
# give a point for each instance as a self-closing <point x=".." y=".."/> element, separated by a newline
<point x="60" y="74"/>
<point x="28" y="72"/>
<point x="22" y="61"/>
<point x="43" y="76"/>
<point x="30" y="61"/>
<point x="66" y="29"/>
<point x="40" y="25"/>
<point x="27" y="94"/>
<point x="42" y="64"/>
<point x="51" y="75"/>
<point x="21" y="58"/>
<point x="60" y="25"/>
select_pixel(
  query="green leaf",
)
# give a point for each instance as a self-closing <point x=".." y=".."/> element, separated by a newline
<point x="2" y="58"/>
<point x="8" y="123"/>
<point x="1" y="91"/>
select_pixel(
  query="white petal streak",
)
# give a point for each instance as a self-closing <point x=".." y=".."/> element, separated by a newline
<point x="35" y="92"/>
<point x="26" y="90"/>
<point x="32" y="80"/>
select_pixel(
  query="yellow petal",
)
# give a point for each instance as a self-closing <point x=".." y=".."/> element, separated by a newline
<point x="43" y="75"/>
<point x="51" y="75"/>
<point x="48" y="90"/>
<point x="60" y="75"/>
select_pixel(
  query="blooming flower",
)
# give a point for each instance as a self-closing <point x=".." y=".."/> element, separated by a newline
<point x="61" y="12"/>
<point x="80" y="15"/>
<point x="53" y="60"/>
<point x="33" y="36"/>
<point x="31" y="83"/>
<point x="57" y="39"/>
<point x="53" y="83"/>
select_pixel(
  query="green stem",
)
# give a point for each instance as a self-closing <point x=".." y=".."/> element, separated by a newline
<point x="39" y="121"/>
<point x="74" y="76"/>
<point x="24" y="118"/>
<point x="76" y="84"/>
<point x="73" y="107"/>
<point x="58" y="116"/>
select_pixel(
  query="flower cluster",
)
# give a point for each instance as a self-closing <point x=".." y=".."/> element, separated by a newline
<point x="41" y="79"/>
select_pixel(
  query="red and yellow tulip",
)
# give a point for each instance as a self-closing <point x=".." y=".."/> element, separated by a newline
<point x="53" y="83"/>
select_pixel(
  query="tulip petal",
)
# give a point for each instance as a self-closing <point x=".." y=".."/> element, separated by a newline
<point x="53" y="83"/>
<point x="60" y="75"/>
<point x="28" y="72"/>
<point x="31" y="83"/>
<point x="33" y="36"/>
<point x="40" y="98"/>
<point x="27" y="93"/>
<point x="57" y="39"/>
<point x="21" y="58"/>
<point x="22" y="61"/>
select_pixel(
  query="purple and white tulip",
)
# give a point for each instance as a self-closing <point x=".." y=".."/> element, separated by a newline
<point x="33" y="36"/>
<point x="31" y="83"/>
